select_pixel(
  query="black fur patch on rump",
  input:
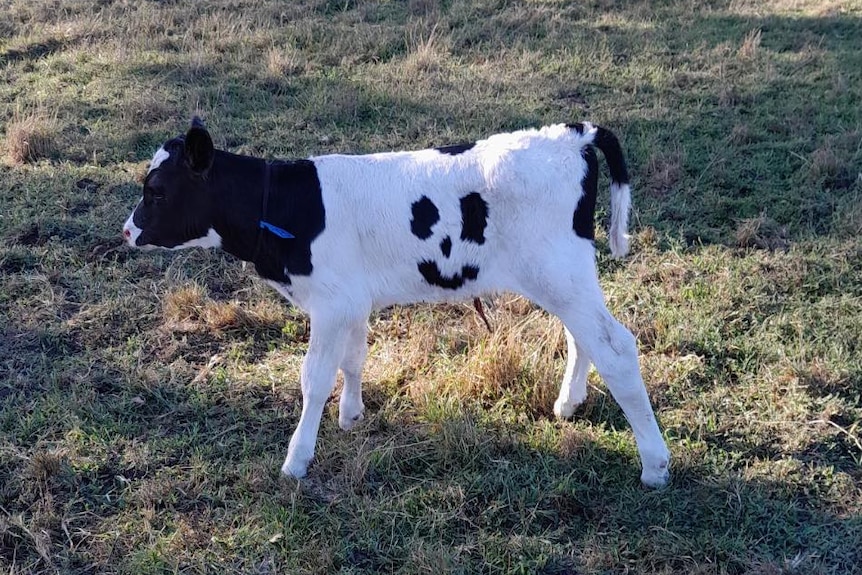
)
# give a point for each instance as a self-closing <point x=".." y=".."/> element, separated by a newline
<point x="583" y="220"/>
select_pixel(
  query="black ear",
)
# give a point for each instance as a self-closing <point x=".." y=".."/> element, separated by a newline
<point x="199" y="150"/>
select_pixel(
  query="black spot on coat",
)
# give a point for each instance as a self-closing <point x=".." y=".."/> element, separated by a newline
<point x="446" y="246"/>
<point x="432" y="274"/>
<point x="425" y="215"/>
<point x="474" y="218"/>
<point x="583" y="220"/>
<point x="296" y="205"/>
<point x="456" y="149"/>
<point x="578" y="127"/>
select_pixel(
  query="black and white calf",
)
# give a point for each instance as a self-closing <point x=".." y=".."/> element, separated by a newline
<point x="342" y="235"/>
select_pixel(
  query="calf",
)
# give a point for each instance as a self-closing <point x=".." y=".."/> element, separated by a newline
<point x="342" y="235"/>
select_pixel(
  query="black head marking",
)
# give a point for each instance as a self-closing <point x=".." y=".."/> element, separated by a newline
<point x="474" y="218"/>
<point x="432" y="274"/>
<point x="456" y="149"/>
<point x="425" y="215"/>
<point x="583" y="221"/>
<point x="176" y="206"/>
<point x="446" y="246"/>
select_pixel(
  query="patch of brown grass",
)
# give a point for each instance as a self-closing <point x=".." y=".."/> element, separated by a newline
<point x="44" y="464"/>
<point x="761" y="232"/>
<point x="750" y="44"/>
<point x="284" y="61"/>
<point x="520" y="360"/>
<point x="426" y="55"/>
<point x="31" y="137"/>
<point x="831" y="164"/>
<point x="190" y="309"/>
<point x="446" y="351"/>
<point x="663" y="171"/>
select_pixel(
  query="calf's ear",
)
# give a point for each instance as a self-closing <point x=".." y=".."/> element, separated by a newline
<point x="199" y="150"/>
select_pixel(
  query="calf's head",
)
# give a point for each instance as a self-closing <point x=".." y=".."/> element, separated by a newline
<point x="176" y="208"/>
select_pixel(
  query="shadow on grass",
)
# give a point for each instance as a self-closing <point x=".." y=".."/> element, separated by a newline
<point x="479" y="496"/>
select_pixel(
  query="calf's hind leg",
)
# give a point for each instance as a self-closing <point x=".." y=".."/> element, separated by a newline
<point x="573" y="390"/>
<point x="579" y="303"/>
<point x="614" y="352"/>
<point x="350" y="407"/>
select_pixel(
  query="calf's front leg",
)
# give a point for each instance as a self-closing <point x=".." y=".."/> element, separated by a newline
<point x="330" y="333"/>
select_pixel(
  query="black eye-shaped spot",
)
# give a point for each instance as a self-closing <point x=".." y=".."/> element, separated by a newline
<point x="425" y="215"/>
<point x="474" y="218"/>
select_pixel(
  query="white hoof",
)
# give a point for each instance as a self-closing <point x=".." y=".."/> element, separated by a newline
<point x="656" y="476"/>
<point x="294" y="467"/>
<point x="564" y="410"/>
<point x="347" y="423"/>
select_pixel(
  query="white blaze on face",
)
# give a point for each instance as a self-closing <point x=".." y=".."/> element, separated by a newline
<point x="160" y="156"/>
<point x="130" y="230"/>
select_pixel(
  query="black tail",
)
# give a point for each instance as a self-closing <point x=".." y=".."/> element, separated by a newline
<point x="621" y="199"/>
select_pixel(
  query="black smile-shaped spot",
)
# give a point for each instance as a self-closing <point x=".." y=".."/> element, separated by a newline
<point x="432" y="274"/>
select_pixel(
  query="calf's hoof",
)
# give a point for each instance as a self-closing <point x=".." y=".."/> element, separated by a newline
<point x="347" y="423"/>
<point x="294" y="467"/>
<point x="564" y="410"/>
<point x="656" y="477"/>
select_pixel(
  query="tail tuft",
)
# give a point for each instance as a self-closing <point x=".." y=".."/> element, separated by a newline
<point x="621" y="200"/>
<point x="621" y="197"/>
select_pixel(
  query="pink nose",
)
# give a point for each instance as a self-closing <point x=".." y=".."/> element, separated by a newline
<point x="127" y="233"/>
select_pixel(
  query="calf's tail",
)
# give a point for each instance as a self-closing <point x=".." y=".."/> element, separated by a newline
<point x="621" y="198"/>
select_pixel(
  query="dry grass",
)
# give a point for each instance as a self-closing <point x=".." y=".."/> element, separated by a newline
<point x="425" y="54"/>
<point x="761" y="232"/>
<point x="664" y="169"/>
<point x="750" y="44"/>
<point x="189" y="309"/>
<point x="284" y="61"/>
<point x="32" y="136"/>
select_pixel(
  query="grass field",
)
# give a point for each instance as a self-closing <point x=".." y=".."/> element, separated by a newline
<point x="146" y="399"/>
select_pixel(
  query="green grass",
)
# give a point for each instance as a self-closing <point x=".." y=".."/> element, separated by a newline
<point x="146" y="399"/>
